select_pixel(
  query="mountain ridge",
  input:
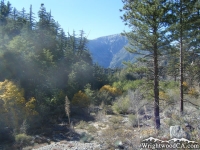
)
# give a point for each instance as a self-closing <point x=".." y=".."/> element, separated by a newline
<point x="109" y="52"/>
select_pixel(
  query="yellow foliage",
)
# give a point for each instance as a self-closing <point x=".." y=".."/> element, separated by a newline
<point x="14" y="108"/>
<point x="112" y="90"/>
<point x="185" y="84"/>
<point x="163" y="95"/>
<point x="13" y="103"/>
<point x="80" y="99"/>
<point x="30" y="106"/>
<point x="11" y="94"/>
<point x="192" y="92"/>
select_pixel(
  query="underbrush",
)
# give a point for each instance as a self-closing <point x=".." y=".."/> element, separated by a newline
<point x="23" y="140"/>
<point x="86" y="126"/>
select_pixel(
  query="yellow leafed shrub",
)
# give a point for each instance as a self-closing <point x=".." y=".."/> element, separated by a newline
<point x="112" y="90"/>
<point x="30" y="106"/>
<point x="80" y="99"/>
<point x="185" y="84"/>
<point x="13" y="105"/>
<point x="163" y="95"/>
<point x="192" y="92"/>
<point x="11" y="94"/>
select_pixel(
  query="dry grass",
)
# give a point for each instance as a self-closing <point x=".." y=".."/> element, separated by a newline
<point x="128" y="136"/>
<point x="82" y="125"/>
<point x="101" y="116"/>
<point x="92" y="129"/>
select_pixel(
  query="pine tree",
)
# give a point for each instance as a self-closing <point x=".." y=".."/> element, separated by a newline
<point x="22" y="18"/>
<point x="173" y="64"/>
<point x="5" y="11"/>
<point x="31" y="19"/>
<point x="148" y="21"/>
<point x="81" y="43"/>
<point x="185" y="13"/>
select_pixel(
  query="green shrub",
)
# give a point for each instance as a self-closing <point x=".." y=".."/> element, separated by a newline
<point x="91" y="129"/>
<point x="121" y="106"/>
<point x="169" y="122"/>
<point x="86" y="138"/>
<point x="133" y="120"/>
<point x="104" y="97"/>
<point x="90" y="94"/>
<point x="82" y="125"/>
<point x="116" y="119"/>
<point x="169" y="85"/>
<point x="128" y="85"/>
<point x="23" y="139"/>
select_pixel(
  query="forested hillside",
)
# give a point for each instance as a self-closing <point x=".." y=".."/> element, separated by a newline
<point x="40" y="64"/>
<point x="51" y="91"/>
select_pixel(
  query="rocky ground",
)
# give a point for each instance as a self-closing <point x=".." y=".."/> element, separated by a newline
<point x="86" y="136"/>
<point x="71" y="145"/>
<point x="105" y="132"/>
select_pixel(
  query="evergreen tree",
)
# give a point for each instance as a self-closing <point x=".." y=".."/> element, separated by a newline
<point x="22" y="18"/>
<point x="173" y="64"/>
<point x="31" y="19"/>
<point x="81" y="44"/>
<point x="185" y="13"/>
<point x="5" y="11"/>
<point x="148" y="21"/>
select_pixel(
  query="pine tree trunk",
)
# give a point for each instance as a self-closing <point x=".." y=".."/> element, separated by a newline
<point x="156" y="89"/>
<point x="181" y="77"/>
<point x="181" y="61"/>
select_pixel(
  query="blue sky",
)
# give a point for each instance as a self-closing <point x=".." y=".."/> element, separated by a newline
<point x="96" y="17"/>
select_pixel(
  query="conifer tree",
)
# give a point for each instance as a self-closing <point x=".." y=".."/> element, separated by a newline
<point x="22" y="18"/>
<point x="148" y="22"/>
<point x="173" y="64"/>
<point x="30" y="19"/>
<point x="185" y="15"/>
<point x="5" y="11"/>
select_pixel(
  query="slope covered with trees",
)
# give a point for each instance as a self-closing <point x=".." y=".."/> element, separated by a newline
<point x="40" y="65"/>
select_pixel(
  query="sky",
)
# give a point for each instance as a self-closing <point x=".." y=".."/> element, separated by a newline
<point x="96" y="17"/>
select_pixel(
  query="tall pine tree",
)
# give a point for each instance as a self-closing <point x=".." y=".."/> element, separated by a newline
<point x="147" y="19"/>
<point x="185" y="32"/>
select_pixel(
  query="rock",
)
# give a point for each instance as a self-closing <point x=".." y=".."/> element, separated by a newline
<point x="40" y="139"/>
<point x="147" y="117"/>
<point x="125" y="120"/>
<point x="119" y="144"/>
<point x="94" y="109"/>
<point x="178" y="132"/>
<point x="189" y="127"/>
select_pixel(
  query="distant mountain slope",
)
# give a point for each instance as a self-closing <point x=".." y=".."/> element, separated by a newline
<point x="109" y="51"/>
<point x="121" y="56"/>
<point x="104" y="49"/>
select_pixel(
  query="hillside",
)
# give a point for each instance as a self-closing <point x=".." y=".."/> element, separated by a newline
<point x="109" y="51"/>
